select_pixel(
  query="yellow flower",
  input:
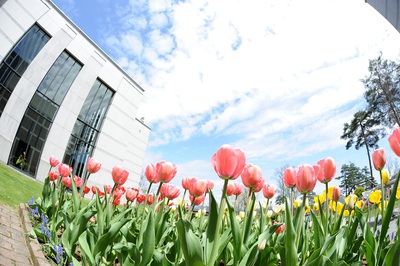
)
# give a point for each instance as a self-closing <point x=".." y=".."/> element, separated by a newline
<point x="359" y="203"/>
<point x="375" y="197"/>
<point x="297" y="203"/>
<point x="330" y="190"/>
<point x="339" y="207"/>
<point x="241" y="214"/>
<point x="320" y="198"/>
<point x="346" y="213"/>
<point x="307" y="209"/>
<point x="385" y="202"/>
<point x="316" y="206"/>
<point x="385" y="176"/>
<point x="398" y="193"/>
<point x="350" y="200"/>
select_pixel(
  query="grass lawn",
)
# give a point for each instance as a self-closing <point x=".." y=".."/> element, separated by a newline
<point x="16" y="188"/>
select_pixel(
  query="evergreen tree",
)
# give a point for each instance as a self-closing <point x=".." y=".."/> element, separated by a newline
<point x="352" y="177"/>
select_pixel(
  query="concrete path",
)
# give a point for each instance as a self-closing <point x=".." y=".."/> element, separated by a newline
<point x="16" y="248"/>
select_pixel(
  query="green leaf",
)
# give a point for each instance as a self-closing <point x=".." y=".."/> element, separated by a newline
<point x="393" y="255"/>
<point x="318" y="232"/>
<point x="290" y="236"/>
<point x="212" y="224"/>
<point x="191" y="246"/>
<point x="85" y="248"/>
<point x="235" y="232"/>
<point x="150" y="240"/>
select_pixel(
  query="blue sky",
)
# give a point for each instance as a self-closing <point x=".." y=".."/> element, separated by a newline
<point x="276" y="78"/>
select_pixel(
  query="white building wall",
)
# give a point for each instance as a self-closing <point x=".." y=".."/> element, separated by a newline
<point x="123" y="138"/>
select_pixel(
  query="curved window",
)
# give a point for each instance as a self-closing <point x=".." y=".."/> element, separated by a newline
<point x="39" y="116"/>
<point x="87" y="127"/>
<point x="18" y="60"/>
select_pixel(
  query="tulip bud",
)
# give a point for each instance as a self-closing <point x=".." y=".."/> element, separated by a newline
<point x="379" y="158"/>
<point x="385" y="176"/>
<point x="336" y="193"/>
<point x="261" y="246"/>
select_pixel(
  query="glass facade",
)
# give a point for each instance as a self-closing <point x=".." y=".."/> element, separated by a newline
<point x="87" y="127"/>
<point x="18" y="60"/>
<point x="39" y="116"/>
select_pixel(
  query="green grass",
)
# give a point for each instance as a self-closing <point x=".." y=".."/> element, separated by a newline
<point x="16" y="187"/>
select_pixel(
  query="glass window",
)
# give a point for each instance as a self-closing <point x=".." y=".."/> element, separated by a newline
<point x="87" y="127"/>
<point x="39" y="116"/>
<point x="18" y="60"/>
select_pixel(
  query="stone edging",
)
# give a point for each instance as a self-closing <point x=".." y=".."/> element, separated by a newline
<point x="35" y="251"/>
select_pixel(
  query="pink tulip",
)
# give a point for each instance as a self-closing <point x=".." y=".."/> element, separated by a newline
<point x="108" y="188"/>
<point x="379" y="158"/>
<point x="197" y="200"/>
<point x="150" y="199"/>
<point x="131" y="194"/>
<point x="92" y="165"/>
<point x="197" y="187"/>
<point x="326" y="171"/>
<point x="259" y="186"/>
<point x="54" y="175"/>
<point x="119" y="175"/>
<point x="269" y="191"/>
<point x="210" y="185"/>
<point x="67" y="181"/>
<point x="336" y="193"/>
<point x="185" y="183"/>
<point x="54" y="161"/>
<point x="252" y="176"/>
<point x="234" y="189"/>
<point x="119" y="191"/>
<point x="305" y="179"/>
<point x="151" y="173"/>
<point x="289" y="177"/>
<point x="230" y="189"/>
<point x="78" y="181"/>
<point x="394" y="141"/>
<point x="64" y="169"/>
<point x="165" y="171"/>
<point x="228" y="163"/>
<point x="170" y="191"/>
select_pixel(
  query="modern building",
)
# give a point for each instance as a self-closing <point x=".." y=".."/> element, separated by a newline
<point x="390" y="9"/>
<point x="62" y="96"/>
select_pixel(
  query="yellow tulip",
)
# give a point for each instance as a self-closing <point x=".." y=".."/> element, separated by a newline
<point x="359" y="203"/>
<point x="330" y="190"/>
<point x="297" y="203"/>
<point x="398" y="193"/>
<point x="385" y="176"/>
<point x="307" y="209"/>
<point x="339" y="207"/>
<point x="241" y="214"/>
<point x="375" y="197"/>
<point x="385" y="202"/>
<point x="346" y="213"/>
<point x="316" y="206"/>
<point x="320" y="198"/>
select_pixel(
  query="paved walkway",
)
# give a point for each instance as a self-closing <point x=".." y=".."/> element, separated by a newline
<point x="16" y="249"/>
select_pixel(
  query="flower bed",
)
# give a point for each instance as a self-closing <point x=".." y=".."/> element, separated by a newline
<point x="159" y="229"/>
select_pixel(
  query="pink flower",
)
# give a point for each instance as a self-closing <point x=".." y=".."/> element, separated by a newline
<point x="289" y="177"/>
<point x="78" y="181"/>
<point x="197" y="200"/>
<point x="269" y="191"/>
<point x="119" y="175"/>
<point x="170" y="191"/>
<point x="197" y="187"/>
<point x="336" y="193"/>
<point x="64" y="169"/>
<point x="280" y="228"/>
<point x="54" y="161"/>
<point x="234" y="189"/>
<point x="86" y="190"/>
<point x="131" y="194"/>
<point x="165" y="171"/>
<point x="305" y="179"/>
<point x="186" y="183"/>
<point x="228" y="163"/>
<point x="54" y="175"/>
<point x="394" y="141"/>
<point x="151" y="173"/>
<point x="210" y="185"/>
<point x="67" y="181"/>
<point x="326" y="171"/>
<point x="150" y="199"/>
<point x="379" y="158"/>
<point x="252" y="176"/>
<point x="92" y="165"/>
<point x="119" y="191"/>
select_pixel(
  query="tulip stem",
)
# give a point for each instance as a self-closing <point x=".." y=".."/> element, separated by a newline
<point x="383" y="195"/>
<point x="300" y="224"/>
<point x="326" y="209"/>
<point x="292" y="200"/>
<point x="217" y="236"/>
